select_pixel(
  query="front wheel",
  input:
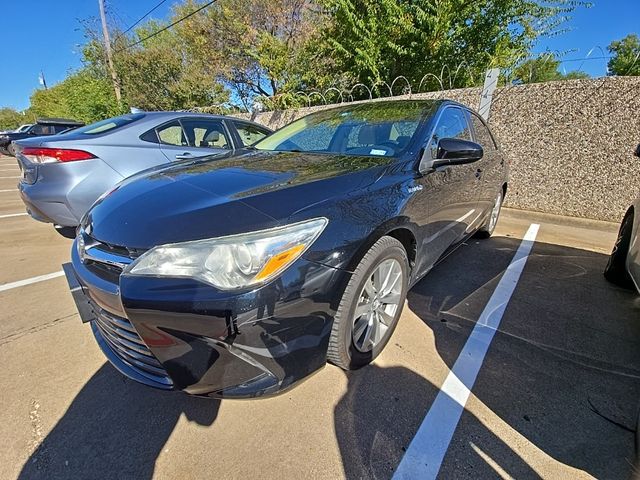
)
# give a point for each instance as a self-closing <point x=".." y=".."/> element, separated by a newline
<point x="371" y="305"/>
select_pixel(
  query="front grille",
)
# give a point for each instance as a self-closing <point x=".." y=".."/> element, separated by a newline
<point x="123" y="340"/>
<point x="105" y="260"/>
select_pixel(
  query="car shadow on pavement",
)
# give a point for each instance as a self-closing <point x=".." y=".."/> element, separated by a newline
<point x="562" y="370"/>
<point x="379" y="414"/>
<point x="115" y="428"/>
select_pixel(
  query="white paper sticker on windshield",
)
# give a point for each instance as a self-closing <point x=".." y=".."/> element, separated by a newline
<point x="375" y="151"/>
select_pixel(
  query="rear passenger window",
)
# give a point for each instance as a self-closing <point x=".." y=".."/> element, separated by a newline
<point x="172" y="134"/>
<point x="483" y="135"/>
<point x="250" y="134"/>
<point x="206" y="133"/>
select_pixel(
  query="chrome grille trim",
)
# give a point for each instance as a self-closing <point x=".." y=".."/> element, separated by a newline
<point x="123" y="340"/>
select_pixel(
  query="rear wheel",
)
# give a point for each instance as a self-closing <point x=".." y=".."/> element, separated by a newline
<point x="371" y="305"/>
<point x="490" y="224"/>
<point x="11" y="149"/>
<point x="616" y="269"/>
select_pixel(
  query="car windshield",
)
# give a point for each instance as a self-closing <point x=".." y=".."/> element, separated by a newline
<point x="372" y="129"/>
<point x="109" y="124"/>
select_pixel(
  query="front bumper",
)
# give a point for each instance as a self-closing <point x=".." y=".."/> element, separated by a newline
<point x="208" y="342"/>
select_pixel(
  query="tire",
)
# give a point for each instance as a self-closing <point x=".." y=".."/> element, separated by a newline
<point x="616" y="269"/>
<point x="11" y="150"/>
<point x="492" y="220"/>
<point x="346" y="351"/>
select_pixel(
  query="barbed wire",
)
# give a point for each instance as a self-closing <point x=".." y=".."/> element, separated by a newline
<point x="401" y="86"/>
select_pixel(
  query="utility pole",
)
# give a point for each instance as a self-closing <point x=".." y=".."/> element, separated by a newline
<point x="107" y="48"/>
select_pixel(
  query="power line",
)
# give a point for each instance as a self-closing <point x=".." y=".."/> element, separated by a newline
<point x="142" y="18"/>
<point x="167" y="27"/>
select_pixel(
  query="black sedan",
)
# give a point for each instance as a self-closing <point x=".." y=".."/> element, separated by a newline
<point x="239" y="277"/>
<point x="43" y="127"/>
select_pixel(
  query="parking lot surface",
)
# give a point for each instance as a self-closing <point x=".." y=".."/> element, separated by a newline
<point x="555" y="396"/>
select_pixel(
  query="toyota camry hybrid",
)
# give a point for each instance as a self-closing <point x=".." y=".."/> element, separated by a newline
<point x="240" y="276"/>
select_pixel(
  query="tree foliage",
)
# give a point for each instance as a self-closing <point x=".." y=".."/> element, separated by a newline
<point x="256" y="47"/>
<point x="377" y="40"/>
<point x="235" y="51"/>
<point x="626" y="56"/>
<point x="81" y="96"/>
<point x="545" y="68"/>
<point x="10" y="119"/>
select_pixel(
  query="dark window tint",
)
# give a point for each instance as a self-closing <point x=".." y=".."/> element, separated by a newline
<point x="172" y="134"/>
<point x="150" y="136"/>
<point x="42" y="129"/>
<point x="452" y="124"/>
<point x="206" y="133"/>
<point x="250" y="134"/>
<point x="110" y="124"/>
<point x="483" y="136"/>
<point x="60" y="128"/>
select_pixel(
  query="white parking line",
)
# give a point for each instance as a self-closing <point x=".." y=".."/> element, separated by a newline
<point x="9" y="190"/>
<point x="11" y="177"/>
<point x="426" y="451"/>
<point x="29" y="281"/>
<point x="9" y="215"/>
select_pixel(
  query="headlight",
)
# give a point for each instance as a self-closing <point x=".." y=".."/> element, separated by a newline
<point x="235" y="261"/>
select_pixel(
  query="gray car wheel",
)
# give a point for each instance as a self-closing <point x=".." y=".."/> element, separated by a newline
<point x="371" y="305"/>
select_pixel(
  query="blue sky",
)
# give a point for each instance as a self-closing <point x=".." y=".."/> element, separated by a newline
<point x="41" y="34"/>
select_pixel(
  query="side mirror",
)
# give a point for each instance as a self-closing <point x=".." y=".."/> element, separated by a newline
<point x="454" y="151"/>
<point x="637" y="152"/>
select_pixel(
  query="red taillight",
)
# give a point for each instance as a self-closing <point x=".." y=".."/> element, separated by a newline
<point x="50" y="155"/>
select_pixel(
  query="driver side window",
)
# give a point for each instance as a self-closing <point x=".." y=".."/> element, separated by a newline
<point x="452" y="124"/>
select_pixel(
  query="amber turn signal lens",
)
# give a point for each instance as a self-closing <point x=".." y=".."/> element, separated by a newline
<point x="280" y="261"/>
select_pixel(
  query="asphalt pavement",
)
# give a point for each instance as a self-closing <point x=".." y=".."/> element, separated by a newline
<point x="555" y="395"/>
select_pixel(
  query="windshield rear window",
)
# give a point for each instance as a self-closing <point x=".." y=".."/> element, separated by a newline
<point x="109" y="124"/>
<point x="372" y="129"/>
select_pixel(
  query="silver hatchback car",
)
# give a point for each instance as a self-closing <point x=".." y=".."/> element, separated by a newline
<point x="63" y="175"/>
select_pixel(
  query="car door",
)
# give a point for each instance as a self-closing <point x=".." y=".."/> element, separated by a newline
<point x="491" y="165"/>
<point x="447" y="195"/>
<point x="189" y="137"/>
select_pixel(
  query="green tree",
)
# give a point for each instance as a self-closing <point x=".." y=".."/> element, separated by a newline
<point x="155" y="74"/>
<point x="81" y="96"/>
<point x="10" y="119"/>
<point x="626" y="56"/>
<point x="545" y="68"/>
<point x="455" y="40"/>
<point x="256" y="47"/>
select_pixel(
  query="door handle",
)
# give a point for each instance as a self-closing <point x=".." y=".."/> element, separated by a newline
<point x="478" y="173"/>
<point x="183" y="156"/>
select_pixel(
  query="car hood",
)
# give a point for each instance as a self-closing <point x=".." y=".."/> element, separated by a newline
<point x="224" y="195"/>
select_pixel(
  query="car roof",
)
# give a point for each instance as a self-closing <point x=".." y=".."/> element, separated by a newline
<point x="58" y="121"/>
<point x="168" y="115"/>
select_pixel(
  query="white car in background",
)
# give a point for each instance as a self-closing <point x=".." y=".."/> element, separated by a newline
<point x="623" y="267"/>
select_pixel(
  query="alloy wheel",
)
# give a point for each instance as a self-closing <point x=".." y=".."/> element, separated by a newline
<point x="377" y="305"/>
